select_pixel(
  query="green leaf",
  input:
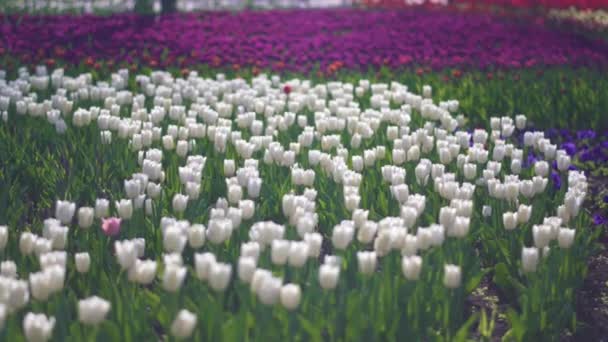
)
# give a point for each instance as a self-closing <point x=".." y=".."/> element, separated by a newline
<point x="309" y="328"/>
<point x="474" y="281"/>
<point x="518" y="327"/>
<point x="463" y="332"/>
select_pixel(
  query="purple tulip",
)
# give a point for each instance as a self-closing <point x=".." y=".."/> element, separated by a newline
<point x="303" y="39"/>
<point x="598" y="220"/>
<point x="570" y="148"/>
<point x="556" y="180"/>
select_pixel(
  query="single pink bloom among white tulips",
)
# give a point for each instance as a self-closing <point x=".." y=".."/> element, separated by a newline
<point x="111" y="226"/>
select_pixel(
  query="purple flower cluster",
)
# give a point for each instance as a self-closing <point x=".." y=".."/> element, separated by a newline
<point x="589" y="150"/>
<point x="587" y="145"/>
<point x="301" y="40"/>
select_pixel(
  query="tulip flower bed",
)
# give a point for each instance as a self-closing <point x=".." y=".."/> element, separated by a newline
<point x="150" y="206"/>
<point x="301" y="41"/>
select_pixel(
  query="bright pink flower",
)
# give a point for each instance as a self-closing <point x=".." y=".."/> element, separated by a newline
<point x="111" y="226"/>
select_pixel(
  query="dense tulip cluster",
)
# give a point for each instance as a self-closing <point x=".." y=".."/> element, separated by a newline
<point x="282" y="197"/>
<point x="328" y="40"/>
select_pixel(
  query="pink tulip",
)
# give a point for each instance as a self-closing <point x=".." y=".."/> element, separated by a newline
<point x="111" y="226"/>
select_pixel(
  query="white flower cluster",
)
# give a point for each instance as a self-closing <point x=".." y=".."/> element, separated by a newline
<point x="250" y="121"/>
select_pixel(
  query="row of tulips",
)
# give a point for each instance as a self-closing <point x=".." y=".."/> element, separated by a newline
<point x="281" y="209"/>
<point x="596" y="20"/>
<point x="535" y="4"/>
<point x="299" y="41"/>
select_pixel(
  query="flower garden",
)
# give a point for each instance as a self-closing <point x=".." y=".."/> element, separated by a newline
<point x="434" y="173"/>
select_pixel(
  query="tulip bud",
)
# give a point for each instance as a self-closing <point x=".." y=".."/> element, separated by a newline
<point x="26" y="243"/>
<point x="328" y="276"/>
<point x="202" y="264"/>
<point x="8" y="269"/>
<point x="452" y="276"/>
<point x="486" y="211"/>
<point x="64" y="211"/>
<point x="529" y="259"/>
<point x="254" y="186"/>
<point x="132" y="188"/>
<point x="290" y="296"/>
<point x="541" y="168"/>
<point x="168" y="142"/>
<point x="509" y="219"/>
<point x="279" y="251"/>
<point x="342" y="235"/>
<point x="367" y="262"/>
<point x="411" y="267"/>
<point x="124" y="208"/>
<point x="542" y="235"/>
<point x="520" y="121"/>
<point x="523" y="213"/>
<point x="85" y="217"/>
<point x="3" y="309"/>
<point x="126" y="253"/>
<point x="246" y="268"/>
<point x="314" y="241"/>
<point x="173" y="277"/>
<point x="37" y="327"/>
<point x="298" y="253"/>
<point x="3" y="237"/>
<point x="427" y="91"/>
<point x="413" y="153"/>
<point x="83" y="262"/>
<point x="460" y="227"/>
<point x="219" y="276"/>
<point x="269" y="291"/>
<point x="183" y="325"/>
<point x="235" y="194"/>
<point x="447" y="216"/>
<point x="180" y="202"/>
<point x="93" y="310"/>
<point x="182" y="148"/>
<point x="563" y="162"/>
<point x="102" y="208"/>
<point x="565" y="237"/>
<point x="174" y="239"/>
<point x="470" y="171"/>
<point x="196" y="235"/>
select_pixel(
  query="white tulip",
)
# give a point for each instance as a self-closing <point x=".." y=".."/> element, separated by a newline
<point x="411" y="267"/>
<point x="125" y="208"/>
<point x="183" y="324"/>
<point x="565" y="238"/>
<point x="328" y="276"/>
<point x="452" y="276"/>
<point x="179" y="203"/>
<point x="173" y="277"/>
<point x="38" y="327"/>
<point x="529" y="259"/>
<point x="290" y="296"/>
<point x="64" y="211"/>
<point x="202" y="264"/>
<point x="3" y="237"/>
<point x="93" y="310"/>
<point x="196" y="235"/>
<point x="219" y="276"/>
<point x="510" y="220"/>
<point x="367" y="262"/>
<point x="279" y="251"/>
<point x="83" y="262"/>
<point x="85" y="217"/>
<point x="102" y="208"/>
<point x="246" y="267"/>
